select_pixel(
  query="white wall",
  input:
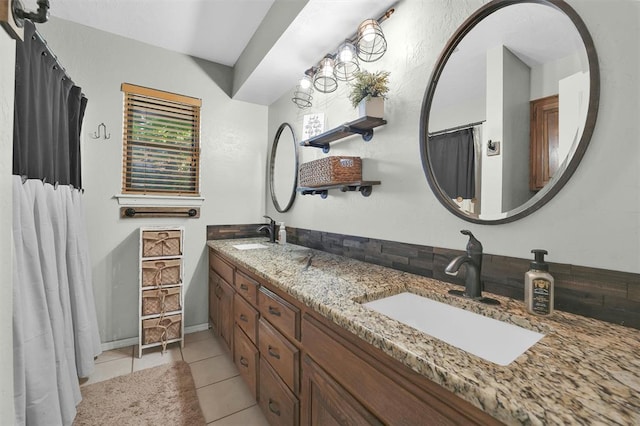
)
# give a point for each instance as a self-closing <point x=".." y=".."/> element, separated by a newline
<point x="587" y="223"/>
<point x="7" y="84"/>
<point x="233" y="140"/>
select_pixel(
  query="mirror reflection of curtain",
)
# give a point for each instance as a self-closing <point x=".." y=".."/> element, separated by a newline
<point x="452" y="158"/>
<point x="55" y="328"/>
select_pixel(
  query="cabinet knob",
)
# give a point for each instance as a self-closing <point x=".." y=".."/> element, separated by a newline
<point x="244" y="287"/>
<point x="243" y="317"/>
<point x="244" y="362"/>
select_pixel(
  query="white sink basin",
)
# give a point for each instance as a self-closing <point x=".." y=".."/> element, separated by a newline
<point x="250" y="246"/>
<point x="490" y="339"/>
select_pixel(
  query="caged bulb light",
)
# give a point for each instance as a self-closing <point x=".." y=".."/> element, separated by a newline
<point x="347" y="64"/>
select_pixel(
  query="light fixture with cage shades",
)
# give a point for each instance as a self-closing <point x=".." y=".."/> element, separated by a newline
<point x="368" y="44"/>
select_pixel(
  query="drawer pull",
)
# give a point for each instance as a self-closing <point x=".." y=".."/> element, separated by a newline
<point x="273" y="407"/>
<point x="272" y="352"/>
<point x="244" y="362"/>
<point x="274" y="311"/>
<point x="244" y="287"/>
<point x="243" y="317"/>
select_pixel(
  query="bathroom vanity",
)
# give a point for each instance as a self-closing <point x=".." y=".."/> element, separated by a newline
<point x="295" y="323"/>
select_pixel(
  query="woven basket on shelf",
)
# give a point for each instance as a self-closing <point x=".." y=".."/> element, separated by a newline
<point x="161" y="243"/>
<point x="157" y="330"/>
<point x="160" y="301"/>
<point x="160" y="272"/>
<point x="330" y="171"/>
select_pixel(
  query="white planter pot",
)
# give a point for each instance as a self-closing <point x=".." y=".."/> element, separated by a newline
<point x="373" y="107"/>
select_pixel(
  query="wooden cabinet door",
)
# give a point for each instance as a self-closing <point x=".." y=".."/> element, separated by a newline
<point x="226" y="313"/>
<point x="325" y="402"/>
<point x="544" y="158"/>
<point x="214" y="310"/>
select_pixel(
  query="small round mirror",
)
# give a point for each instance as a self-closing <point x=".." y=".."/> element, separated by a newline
<point x="283" y="168"/>
<point x="509" y="110"/>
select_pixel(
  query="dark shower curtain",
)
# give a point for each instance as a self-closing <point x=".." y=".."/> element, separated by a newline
<point x="452" y="161"/>
<point x="49" y="110"/>
<point x="55" y="329"/>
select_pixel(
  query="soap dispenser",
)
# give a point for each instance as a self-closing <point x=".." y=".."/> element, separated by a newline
<point x="538" y="286"/>
<point x="282" y="234"/>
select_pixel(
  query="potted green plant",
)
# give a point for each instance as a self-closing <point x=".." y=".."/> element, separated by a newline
<point x="368" y="91"/>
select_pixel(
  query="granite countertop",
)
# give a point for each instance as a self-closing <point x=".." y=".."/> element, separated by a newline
<point x="583" y="371"/>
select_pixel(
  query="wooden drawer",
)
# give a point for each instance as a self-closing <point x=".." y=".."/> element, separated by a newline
<point x="247" y="287"/>
<point x="280" y="313"/>
<point x="221" y="267"/>
<point x="280" y="354"/>
<point x="278" y="404"/>
<point x="246" y="359"/>
<point x="246" y="317"/>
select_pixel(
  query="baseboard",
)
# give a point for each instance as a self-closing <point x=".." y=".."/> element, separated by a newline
<point x="196" y="328"/>
<point x="115" y="344"/>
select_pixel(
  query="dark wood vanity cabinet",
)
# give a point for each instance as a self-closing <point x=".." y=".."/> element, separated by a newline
<point x="221" y="298"/>
<point x="304" y="369"/>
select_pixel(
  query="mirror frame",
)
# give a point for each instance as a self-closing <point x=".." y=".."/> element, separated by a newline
<point x="272" y="159"/>
<point x="592" y="112"/>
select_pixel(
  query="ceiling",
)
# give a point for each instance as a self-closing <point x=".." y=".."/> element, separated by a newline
<point x="288" y="41"/>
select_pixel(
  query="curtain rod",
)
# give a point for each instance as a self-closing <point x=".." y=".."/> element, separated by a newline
<point x="453" y="129"/>
<point x="53" y="55"/>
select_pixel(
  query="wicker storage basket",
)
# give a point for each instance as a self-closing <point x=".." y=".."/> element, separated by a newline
<point x="156" y="330"/>
<point x="330" y="171"/>
<point x="161" y="243"/>
<point x="160" y="272"/>
<point x="160" y="301"/>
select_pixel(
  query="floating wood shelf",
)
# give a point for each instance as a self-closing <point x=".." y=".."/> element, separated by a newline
<point x="365" y="188"/>
<point x="363" y="126"/>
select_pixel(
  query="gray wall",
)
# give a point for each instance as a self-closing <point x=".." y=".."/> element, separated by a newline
<point x="7" y="66"/>
<point x="515" y="133"/>
<point x="593" y="221"/>
<point x="233" y="141"/>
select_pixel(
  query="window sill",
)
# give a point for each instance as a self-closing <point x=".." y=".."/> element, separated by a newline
<point x="158" y="200"/>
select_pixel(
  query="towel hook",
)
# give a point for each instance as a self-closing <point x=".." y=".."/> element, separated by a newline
<point x="97" y="135"/>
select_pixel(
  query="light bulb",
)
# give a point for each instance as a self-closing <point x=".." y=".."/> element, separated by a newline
<point x="305" y="83"/>
<point x="368" y="34"/>
<point x="346" y="55"/>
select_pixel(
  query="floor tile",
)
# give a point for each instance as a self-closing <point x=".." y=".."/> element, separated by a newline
<point x="224" y="398"/>
<point x="213" y="370"/>
<point x="202" y="349"/>
<point x="199" y="335"/>
<point x="115" y="354"/>
<point x="153" y="357"/>
<point x="109" y="369"/>
<point x="251" y="416"/>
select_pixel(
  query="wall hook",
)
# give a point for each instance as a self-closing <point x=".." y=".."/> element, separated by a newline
<point x="493" y="148"/>
<point x="97" y="135"/>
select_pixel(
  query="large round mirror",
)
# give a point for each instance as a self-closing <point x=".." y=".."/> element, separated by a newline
<point x="509" y="110"/>
<point x="283" y="168"/>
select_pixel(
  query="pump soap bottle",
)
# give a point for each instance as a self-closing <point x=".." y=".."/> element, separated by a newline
<point x="538" y="286"/>
<point x="282" y="234"/>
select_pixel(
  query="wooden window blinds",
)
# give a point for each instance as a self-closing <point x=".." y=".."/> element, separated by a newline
<point x="161" y="142"/>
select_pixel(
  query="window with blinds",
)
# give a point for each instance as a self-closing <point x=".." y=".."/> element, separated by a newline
<point x="161" y="142"/>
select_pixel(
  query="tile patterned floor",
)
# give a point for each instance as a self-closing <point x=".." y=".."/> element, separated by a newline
<point x="224" y="397"/>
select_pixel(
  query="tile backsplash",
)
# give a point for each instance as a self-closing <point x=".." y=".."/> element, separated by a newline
<point x="603" y="294"/>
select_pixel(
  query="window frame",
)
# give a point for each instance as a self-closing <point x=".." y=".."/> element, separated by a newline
<point x="139" y="94"/>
